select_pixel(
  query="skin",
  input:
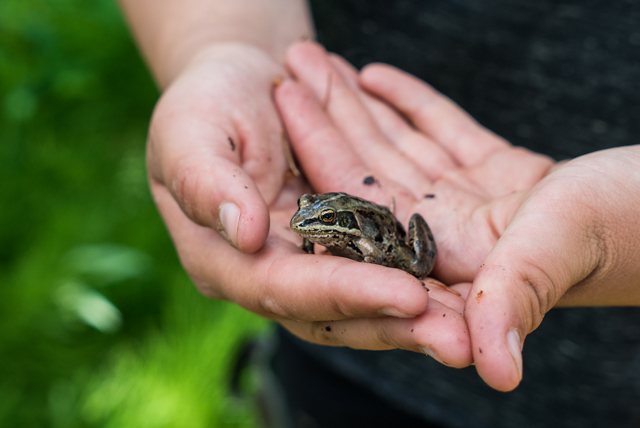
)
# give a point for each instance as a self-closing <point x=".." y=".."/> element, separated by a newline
<point x="529" y="234"/>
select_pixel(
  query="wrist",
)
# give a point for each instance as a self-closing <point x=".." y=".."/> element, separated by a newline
<point x="182" y="59"/>
<point x="610" y="206"/>
<point x="172" y="32"/>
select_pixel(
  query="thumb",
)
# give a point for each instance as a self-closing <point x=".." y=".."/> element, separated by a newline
<point x="205" y="173"/>
<point x="217" y="193"/>
<point x="547" y="248"/>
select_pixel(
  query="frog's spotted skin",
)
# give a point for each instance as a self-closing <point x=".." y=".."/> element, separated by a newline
<point x="360" y="230"/>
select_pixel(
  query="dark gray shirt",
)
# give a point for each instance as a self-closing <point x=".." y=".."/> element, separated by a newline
<point x="558" y="77"/>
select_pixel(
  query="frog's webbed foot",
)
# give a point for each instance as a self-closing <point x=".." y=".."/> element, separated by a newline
<point x="423" y="245"/>
<point x="307" y="246"/>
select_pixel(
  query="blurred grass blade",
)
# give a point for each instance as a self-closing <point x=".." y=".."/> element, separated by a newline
<point x="108" y="263"/>
<point x="89" y="306"/>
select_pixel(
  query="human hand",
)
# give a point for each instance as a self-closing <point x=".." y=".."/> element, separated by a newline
<point x="446" y="167"/>
<point x="573" y="241"/>
<point x="214" y="145"/>
<point x="342" y="135"/>
<point x="570" y="240"/>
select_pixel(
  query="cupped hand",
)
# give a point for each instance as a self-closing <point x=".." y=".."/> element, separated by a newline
<point x="528" y="244"/>
<point x="574" y="240"/>
<point x="417" y="148"/>
<point x="445" y="167"/>
<point x="571" y="240"/>
<point x="220" y="179"/>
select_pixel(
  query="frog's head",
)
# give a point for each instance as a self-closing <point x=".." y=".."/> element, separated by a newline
<point x="326" y="219"/>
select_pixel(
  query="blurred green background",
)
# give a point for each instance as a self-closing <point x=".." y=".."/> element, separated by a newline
<point x="99" y="325"/>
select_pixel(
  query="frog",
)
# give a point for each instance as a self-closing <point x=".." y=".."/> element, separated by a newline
<point x="360" y="230"/>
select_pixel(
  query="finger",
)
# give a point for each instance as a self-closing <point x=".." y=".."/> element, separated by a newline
<point x="216" y="193"/>
<point x="329" y="163"/>
<point x="310" y="65"/>
<point x="347" y="72"/>
<point x="280" y="281"/>
<point x="432" y="113"/>
<point x="439" y="332"/>
<point x="443" y="294"/>
<point x="421" y="150"/>
<point x="543" y="252"/>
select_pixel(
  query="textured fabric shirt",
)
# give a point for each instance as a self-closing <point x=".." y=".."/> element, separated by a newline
<point x="558" y="77"/>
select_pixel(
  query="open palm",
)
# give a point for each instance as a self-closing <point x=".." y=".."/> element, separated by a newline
<point x="440" y="163"/>
<point x="403" y="144"/>
<point x="529" y="233"/>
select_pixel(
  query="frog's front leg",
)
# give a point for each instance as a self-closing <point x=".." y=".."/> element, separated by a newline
<point x="307" y="246"/>
<point x="370" y="253"/>
<point x="420" y="240"/>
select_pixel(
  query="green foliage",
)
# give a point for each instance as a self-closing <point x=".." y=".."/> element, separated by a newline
<point x="99" y="325"/>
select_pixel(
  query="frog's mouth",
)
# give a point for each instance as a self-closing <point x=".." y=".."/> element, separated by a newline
<point x="310" y="228"/>
<point x="328" y="236"/>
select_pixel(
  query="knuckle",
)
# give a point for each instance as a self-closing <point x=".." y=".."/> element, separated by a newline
<point x="208" y="289"/>
<point x="270" y="295"/>
<point x="269" y="306"/>
<point x="542" y="295"/>
<point x="270" y="292"/>
<point x="382" y="336"/>
<point x="601" y="252"/>
<point x="339" y="306"/>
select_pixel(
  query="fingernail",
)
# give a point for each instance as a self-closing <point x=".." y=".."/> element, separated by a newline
<point x="393" y="312"/>
<point x="515" y="347"/>
<point x="230" y="218"/>
<point x="432" y="354"/>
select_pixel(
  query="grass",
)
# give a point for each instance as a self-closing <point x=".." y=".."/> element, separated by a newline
<point x="99" y="325"/>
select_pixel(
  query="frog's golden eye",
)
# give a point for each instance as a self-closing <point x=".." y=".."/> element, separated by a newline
<point x="328" y="216"/>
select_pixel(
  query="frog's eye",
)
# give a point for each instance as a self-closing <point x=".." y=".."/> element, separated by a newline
<point x="328" y="216"/>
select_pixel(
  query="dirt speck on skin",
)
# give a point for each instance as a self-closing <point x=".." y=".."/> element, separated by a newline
<point x="369" y="180"/>
<point x="327" y="328"/>
<point x="444" y="315"/>
<point x="411" y="330"/>
<point x="478" y="296"/>
<point x="480" y="350"/>
<point x="429" y="196"/>
<point x="232" y="144"/>
<point x="276" y="82"/>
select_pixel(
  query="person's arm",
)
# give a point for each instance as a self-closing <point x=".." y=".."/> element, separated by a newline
<point x="171" y="32"/>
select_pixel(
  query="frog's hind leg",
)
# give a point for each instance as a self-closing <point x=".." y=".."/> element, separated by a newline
<point x="420" y="239"/>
